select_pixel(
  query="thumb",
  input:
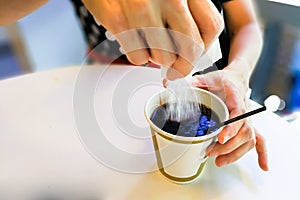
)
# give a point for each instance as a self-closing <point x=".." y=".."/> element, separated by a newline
<point x="208" y="81"/>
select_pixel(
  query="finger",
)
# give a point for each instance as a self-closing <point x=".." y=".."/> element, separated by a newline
<point x="210" y="81"/>
<point x="220" y="83"/>
<point x="234" y="155"/>
<point x="118" y="25"/>
<point x="208" y="19"/>
<point x="244" y="135"/>
<point x="231" y="130"/>
<point x="261" y="149"/>
<point x="97" y="21"/>
<point x="151" y="27"/>
<point x="189" y="45"/>
<point x="161" y="46"/>
<point x="179" y="69"/>
<point x="236" y="106"/>
<point x="130" y="40"/>
<point x="134" y="47"/>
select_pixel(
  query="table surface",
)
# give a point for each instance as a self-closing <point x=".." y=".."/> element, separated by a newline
<point x="46" y="149"/>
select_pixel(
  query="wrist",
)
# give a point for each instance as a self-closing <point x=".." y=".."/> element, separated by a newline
<point x="240" y="71"/>
<point x="242" y="67"/>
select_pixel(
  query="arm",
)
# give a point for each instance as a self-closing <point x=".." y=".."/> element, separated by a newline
<point x="13" y="10"/>
<point x="245" y="36"/>
<point x="232" y="83"/>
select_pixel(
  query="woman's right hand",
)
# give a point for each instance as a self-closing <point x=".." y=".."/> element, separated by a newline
<point x="193" y="25"/>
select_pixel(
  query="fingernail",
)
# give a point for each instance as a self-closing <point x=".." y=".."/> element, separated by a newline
<point x="226" y="138"/>
<point x="213" y="153"/>
<point x="265" y="167"/>
<point x="223" y="162"/>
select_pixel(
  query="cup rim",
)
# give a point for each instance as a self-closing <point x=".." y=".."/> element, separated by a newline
<point x="182" y="139"/>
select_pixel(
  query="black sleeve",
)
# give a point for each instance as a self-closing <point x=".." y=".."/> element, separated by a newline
<point x="223" y="38"/>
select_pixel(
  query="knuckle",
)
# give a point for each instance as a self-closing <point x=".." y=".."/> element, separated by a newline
<point x="191" y="50"/>
<point x="177" y="5"/>
<point x="166" y="60"/>
<point x="197" y="48"/>
<point x="250" y="134"/>
<point x="139" y="5"/>
<point x="119" y="20"/>
<point x="242" y="110"/>
<point x="252" y="142"/>
<point x="217" y="24"/>
<point x="143" y="10"/>
<point x="115" y="23"/>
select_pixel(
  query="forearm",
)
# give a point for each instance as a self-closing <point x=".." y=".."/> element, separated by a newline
<point x="245" y="49"/>
<point x="245" y="36"/>
<point x="13" y="10"/>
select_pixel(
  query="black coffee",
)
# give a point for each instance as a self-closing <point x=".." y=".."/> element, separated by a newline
<point x="200" y="123"/>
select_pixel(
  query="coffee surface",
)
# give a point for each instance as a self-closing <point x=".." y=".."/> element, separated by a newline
<point x="199" y="123"/>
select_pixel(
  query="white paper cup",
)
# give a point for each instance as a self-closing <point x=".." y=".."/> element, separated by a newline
<point x="181" y="159"/>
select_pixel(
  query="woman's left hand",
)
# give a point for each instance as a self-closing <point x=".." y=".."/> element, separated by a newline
<point x="236" y="139"/>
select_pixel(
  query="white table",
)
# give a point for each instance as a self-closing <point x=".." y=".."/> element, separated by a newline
<point x="41" y="152"/>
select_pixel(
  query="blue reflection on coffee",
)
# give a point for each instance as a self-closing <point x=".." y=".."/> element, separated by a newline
<point x="198" y="124"/>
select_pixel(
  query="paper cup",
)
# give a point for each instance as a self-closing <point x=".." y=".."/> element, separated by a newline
<point x="181" y="159"/>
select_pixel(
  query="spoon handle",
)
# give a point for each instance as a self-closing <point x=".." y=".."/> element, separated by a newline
<point x="242" y="116"/>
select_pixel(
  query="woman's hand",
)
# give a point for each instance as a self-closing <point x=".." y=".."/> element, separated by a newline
<point x="238" y="138"/>
<point x="192" y="26"/>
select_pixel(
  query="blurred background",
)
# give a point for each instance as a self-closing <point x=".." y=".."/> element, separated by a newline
<point x="276" y="79"/>
<point x="48" y="38"/>
<point x="51" y="37"/>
